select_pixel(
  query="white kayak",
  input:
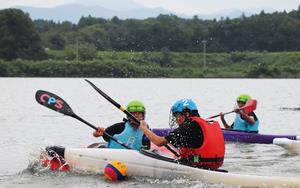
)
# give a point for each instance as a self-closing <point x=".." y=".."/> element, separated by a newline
<point x="149" y="164"/>
<point x="293" y="146"/>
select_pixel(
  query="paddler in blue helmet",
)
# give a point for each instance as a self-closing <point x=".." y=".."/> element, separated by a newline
<point x="246" y="122"/>
<point x="127" y="131"/>
<point x="200" y="143"/>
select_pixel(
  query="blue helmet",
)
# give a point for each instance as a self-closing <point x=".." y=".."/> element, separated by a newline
<point x="183" y="104"/>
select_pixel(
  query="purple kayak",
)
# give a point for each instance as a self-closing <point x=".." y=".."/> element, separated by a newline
<point x="237" y="136"/>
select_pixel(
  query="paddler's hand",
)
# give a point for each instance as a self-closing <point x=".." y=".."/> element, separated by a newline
<point x="236" y="110"/>
<point x="143" y="125"/>
<point x="99" y="132"/>
<point x="221" y="115"/>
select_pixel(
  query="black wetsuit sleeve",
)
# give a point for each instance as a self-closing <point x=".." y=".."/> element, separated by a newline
<point x="187" y="135"/>
<point x="252" y="114"/>
<point x="114" y="129"/>
<point x="146" y="143"/>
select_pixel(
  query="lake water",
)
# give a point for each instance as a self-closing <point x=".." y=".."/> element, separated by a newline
<point x="27" y="127"/>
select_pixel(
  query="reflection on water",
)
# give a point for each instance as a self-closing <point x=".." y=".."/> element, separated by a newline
<point x="290" y="108"/>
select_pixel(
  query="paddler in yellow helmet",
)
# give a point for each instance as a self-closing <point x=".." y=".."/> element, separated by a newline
<point x="127" y="131"/>
<point x="246" y="122"/>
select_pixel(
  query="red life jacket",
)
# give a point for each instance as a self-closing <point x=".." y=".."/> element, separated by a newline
<point x="210" y="155"/>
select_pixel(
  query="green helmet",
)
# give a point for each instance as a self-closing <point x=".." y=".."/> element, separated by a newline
<point x="243" y="98"/>
<point x="136" y="106"/>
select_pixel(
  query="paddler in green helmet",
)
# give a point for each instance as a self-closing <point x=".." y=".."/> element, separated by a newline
<point x="127" y="131"/>
<point x="244" y="121"/>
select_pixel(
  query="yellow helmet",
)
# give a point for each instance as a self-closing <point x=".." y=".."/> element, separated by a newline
<point x="243" y="98"/>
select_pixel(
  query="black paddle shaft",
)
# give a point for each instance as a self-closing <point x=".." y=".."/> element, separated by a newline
<point x="250" y="105"/>
<point x="219" y="115"/>
<point x="57" y="104"/>
<point x="124" y="110"/>
<point x="113" y="102"/>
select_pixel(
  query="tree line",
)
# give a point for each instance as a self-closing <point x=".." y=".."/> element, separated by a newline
<point x="20" y="37"/>
<point x="273" y="32"/>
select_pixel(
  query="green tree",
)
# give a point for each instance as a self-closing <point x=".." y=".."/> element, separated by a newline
<point x="2" y="68"/>
<point x="94" y="34"/>
<point x="166" y="57"/>
<point x="87" y="21"/>
<point x="56" y="41"/>
<point x="18" y="36"/>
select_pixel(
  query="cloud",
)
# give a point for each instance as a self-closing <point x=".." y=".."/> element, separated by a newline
<point x="211" y="6"/>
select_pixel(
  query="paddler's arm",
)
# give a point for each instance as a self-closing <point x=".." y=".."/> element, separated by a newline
<point x="157" y="140"/>
<point x="111" y="130"/>
<point x="246" y="117"/>
<point x="225" y="124"/>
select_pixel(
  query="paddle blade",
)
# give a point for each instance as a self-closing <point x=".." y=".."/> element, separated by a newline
<point x="250" y="106"/>
<point x="53" y="102"/>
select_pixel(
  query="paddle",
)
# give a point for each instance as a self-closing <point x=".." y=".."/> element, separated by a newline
<point x="250" y="106"/>
<point x="57" y="104"/>
<point x="123" y="110"/>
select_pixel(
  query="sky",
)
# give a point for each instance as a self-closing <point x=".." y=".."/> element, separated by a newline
<point x="189" y="7"/>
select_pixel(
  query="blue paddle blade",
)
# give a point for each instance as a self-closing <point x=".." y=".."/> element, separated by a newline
<point x="53" y="102"/>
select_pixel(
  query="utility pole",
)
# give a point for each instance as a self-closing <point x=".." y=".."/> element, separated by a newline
<point x="77" y="55"/>
<point x="204" y="53"/>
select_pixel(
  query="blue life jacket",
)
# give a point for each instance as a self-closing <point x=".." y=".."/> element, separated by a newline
<point x="130" y="136"/>
<point x="242" y="125"/>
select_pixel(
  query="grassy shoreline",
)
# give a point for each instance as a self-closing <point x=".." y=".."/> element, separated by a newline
<point x="160" y="65"/>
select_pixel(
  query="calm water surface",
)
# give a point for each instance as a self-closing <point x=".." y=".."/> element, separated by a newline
<point x="27" y="127"/>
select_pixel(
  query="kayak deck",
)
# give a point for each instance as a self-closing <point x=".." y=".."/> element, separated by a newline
<point x="238" y="136"/>
<point x="139" y="164"/>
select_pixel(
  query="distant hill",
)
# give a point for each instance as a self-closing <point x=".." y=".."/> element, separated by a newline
<point x="108" y="9"/>
<point x="118" y="5"/>
<point x="73" y="12"/>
